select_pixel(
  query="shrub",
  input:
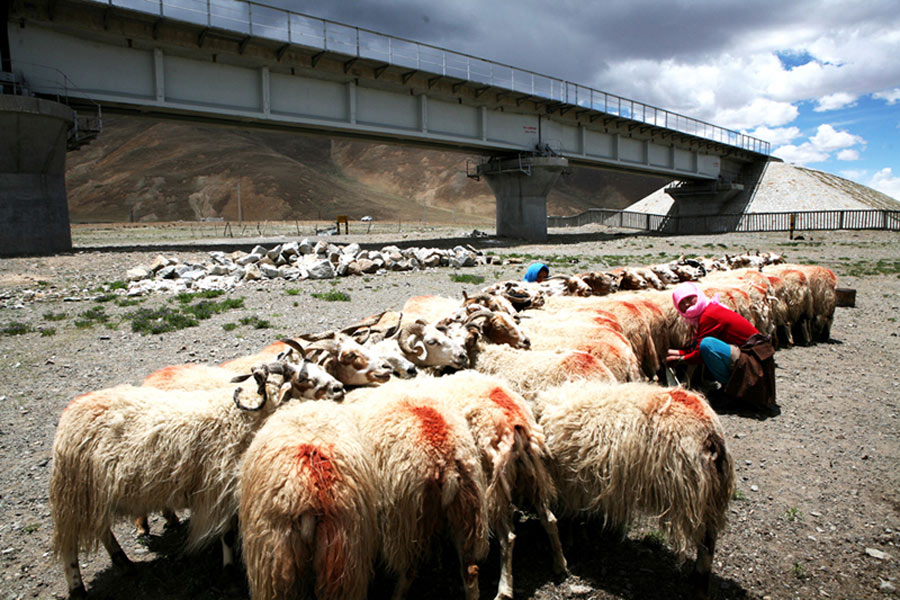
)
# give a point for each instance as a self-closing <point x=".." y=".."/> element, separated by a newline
<point x="16" y="328"/>
<point x="333" y="296"/>
<point x="466" y="278"/>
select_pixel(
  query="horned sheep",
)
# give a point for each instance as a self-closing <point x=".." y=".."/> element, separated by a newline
<point x="128" y="451"/>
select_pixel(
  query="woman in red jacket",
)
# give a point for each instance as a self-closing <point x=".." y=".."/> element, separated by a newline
<point x="731" y="348"/>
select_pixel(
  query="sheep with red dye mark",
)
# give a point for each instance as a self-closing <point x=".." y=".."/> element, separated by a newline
<point x="513" y="455"/>
<point x="588" y="324"/>
<point x="128" y="451"/>
<point x="429" y="479"/>
<point x="307" y="506"/>
<point x="529" y="371"/>
<point x="621" y="452"/>
<point x="821" y="285"/>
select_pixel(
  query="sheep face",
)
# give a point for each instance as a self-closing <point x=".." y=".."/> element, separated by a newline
<point x="431" y="346"/>
<point x="600" y="283"/>
<point x="309" y="380"/>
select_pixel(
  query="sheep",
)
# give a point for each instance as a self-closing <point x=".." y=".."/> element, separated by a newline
<point x="625" y="451"/>
<point x="429" y="346"/>
<point x="513" y="454"/>
<point x="792" y="286"/>
<point x="597" y="334"/>
<point x="307" y="506"/>
<point x="429" y="474"/>
<point x="520" y="294"/>
<point x="601" y="283"/>
<point x="430" y="309"/>
<point x="529" y="371"/>
<point x="128" y="451"/>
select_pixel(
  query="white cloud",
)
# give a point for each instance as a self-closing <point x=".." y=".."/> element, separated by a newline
<point x="828" y="139"/>
<point x="835" y="101"/>
<point x="884" y="181"/>
<point x="891" y="96"/>
<point x="803" y="154"/>
<point x="820" y="146"/>
<point x="761" y="111"/>
<point x="777" y="136"/>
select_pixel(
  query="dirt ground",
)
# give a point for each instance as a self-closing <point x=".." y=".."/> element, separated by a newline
<point x="816" y="513"/>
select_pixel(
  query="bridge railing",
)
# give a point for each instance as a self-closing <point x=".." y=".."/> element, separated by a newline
<point x="812" y="220"/>
<point x="263" y="21"/>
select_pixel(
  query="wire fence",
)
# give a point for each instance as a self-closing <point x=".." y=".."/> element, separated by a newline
<point x="816" y="220"/>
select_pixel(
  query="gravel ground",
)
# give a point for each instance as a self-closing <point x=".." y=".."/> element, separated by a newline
<point x="816" y="515"/>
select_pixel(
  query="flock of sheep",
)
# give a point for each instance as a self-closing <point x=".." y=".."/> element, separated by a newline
<point x="438" y="420"/>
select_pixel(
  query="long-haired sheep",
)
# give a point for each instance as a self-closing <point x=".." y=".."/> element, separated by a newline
<point x="597" y="334"/>
<point x="307" y="506"/>
<point x="620" y="452"/>
<point x="128" y="451"/>
<point x="429" y="475"/>
<point x="513" y="455"/>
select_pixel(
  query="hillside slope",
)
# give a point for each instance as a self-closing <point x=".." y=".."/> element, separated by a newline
<point x="145" y="170"/>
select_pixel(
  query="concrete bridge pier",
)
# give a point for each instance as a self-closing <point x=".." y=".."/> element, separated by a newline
<point x="521" y="185"/>
<point x="34" y="213"/>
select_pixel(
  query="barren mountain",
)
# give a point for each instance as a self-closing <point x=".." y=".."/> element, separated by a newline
<point x="147" y="170"/>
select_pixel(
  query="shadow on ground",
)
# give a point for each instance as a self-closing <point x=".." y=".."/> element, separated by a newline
<point x="605" y="564"/>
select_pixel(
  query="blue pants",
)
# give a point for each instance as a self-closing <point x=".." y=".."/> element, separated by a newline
<point x="716" y="356"/>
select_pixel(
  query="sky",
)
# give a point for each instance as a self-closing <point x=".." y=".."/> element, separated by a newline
<point x="818" y="79"/>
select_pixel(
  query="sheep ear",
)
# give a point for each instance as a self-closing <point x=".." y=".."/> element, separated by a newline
<point x="419" y="348"/>
<point x="241" y="378"/>
<point x="284" y="393"/>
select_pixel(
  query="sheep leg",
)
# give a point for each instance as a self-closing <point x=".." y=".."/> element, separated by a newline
<point x="228" y="540"/>
<point x="548" y="520"/>
<point x="171" y="518"/>
<point x="116" y="554"/>
<point x="701" y="577"/>
<point x="507" y="538"/>
<point x="142" y="524"/>
<point x="73" y="573"/>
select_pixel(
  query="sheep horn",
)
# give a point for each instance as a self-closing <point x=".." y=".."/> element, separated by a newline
<point x="237" y="402"/>
<point x="295" y="345"/>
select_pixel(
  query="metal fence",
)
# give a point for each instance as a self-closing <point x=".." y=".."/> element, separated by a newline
<point x="259" y="20"/>
<point x="815" y="220"/>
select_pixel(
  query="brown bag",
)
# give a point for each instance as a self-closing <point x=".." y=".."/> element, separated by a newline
<point x="752" y="380"/>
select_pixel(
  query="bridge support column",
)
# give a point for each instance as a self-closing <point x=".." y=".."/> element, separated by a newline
<point x="521" y="185"/>
<point x="34" y="213"/>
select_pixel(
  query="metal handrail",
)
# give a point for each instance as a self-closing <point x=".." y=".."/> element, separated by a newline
<point x="258" y="20"/>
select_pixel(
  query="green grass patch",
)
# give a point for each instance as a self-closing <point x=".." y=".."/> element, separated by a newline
<point x="128" y="301"/>
<point x="861" y="268"/>
<point x="799" y="571"/>
<point x="790" y="515"/>
<point x="160" y="320"/>
<point x="256" y="322"/>
<point x="90" y="317"/>
<point x="48" y="331"/>
<point x="292" y="291"/>
<point x="739" y="495"/>
<point x="333" y="296"/>
<point x="188" y="297"/>
<point x="16" y="328"/>
<point x="117" y="285"/>
<point x="466" y="278"/>
<point x="230" y="326"/>
<point x="105" y="298"/>
<point x="51" y="316"/>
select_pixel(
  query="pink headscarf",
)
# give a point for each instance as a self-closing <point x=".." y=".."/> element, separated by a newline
<point x="683" y="290"/>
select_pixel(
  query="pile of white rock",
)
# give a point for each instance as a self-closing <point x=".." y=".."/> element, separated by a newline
<point x="291" y="261"/>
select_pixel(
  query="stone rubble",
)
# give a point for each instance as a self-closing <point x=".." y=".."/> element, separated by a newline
<point x="291" y="261"/>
